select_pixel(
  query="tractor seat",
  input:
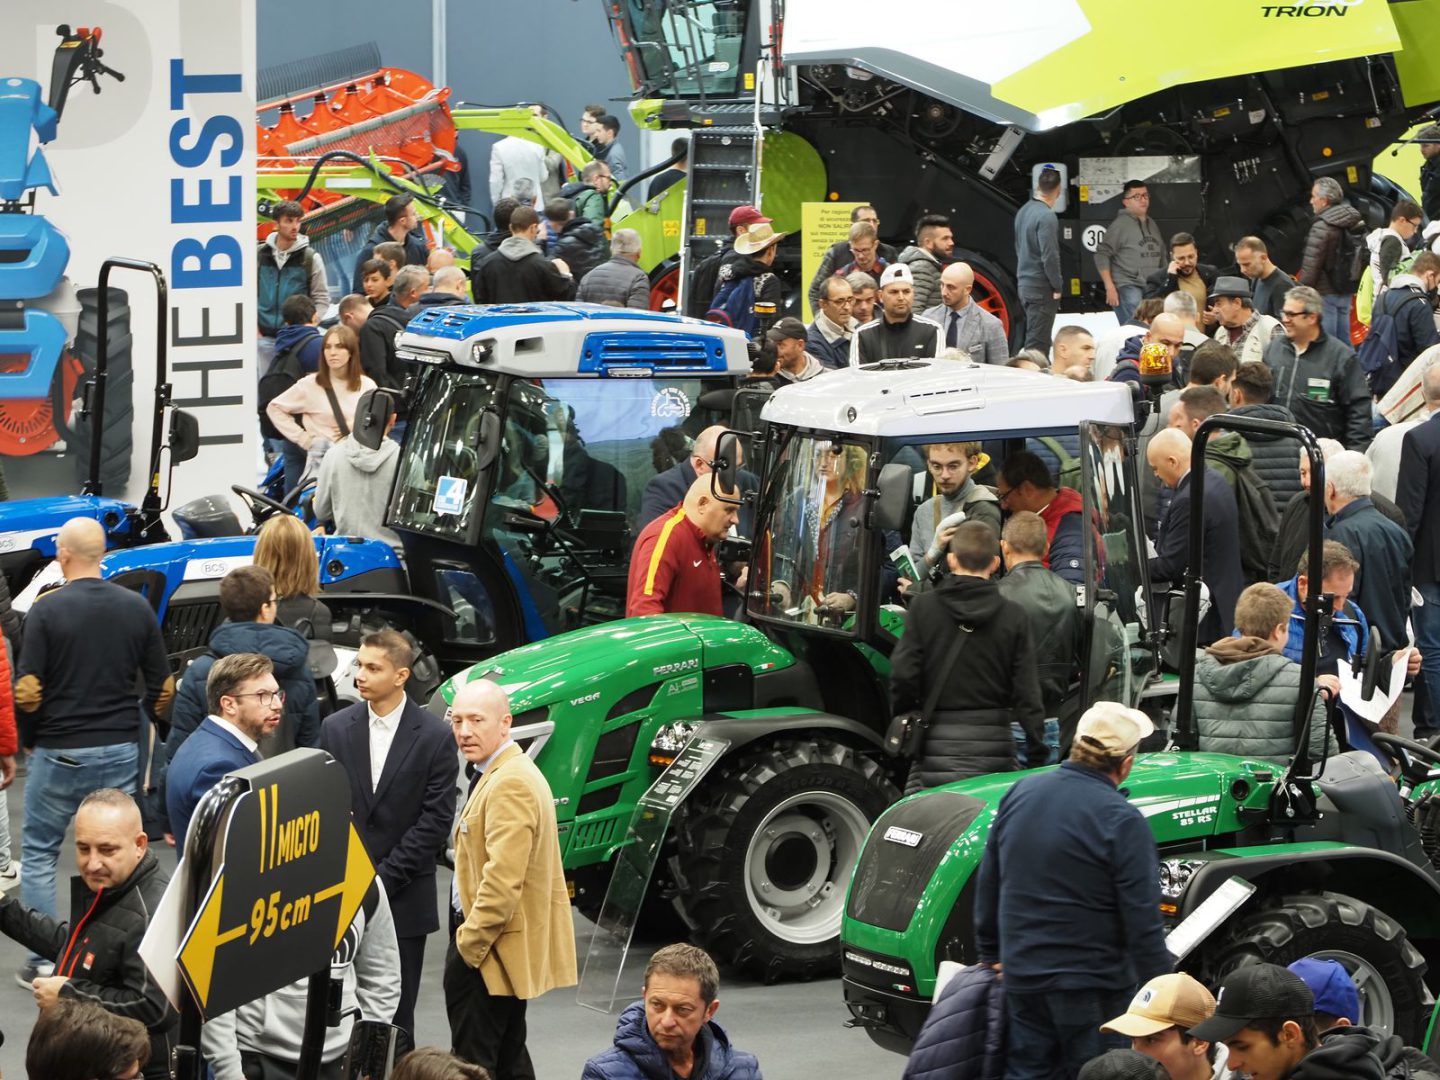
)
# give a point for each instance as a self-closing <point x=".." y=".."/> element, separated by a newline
<point x="1368" y="806"/>
<point x="208" y="516"/>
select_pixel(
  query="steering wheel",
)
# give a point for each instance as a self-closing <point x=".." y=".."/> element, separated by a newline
<point x="262" y="508"/>
<point x="1407" y="751"/>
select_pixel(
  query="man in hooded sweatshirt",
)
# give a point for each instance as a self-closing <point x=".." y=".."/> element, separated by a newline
<point x="247" y="596"/>
<point x="1246" y="687"/>
<point x="286" y="266"/>
<point x="357" y="474"/>
<point x="1337" y="1008"/>
<point x="519" y="273"/>
<point x="992" y="681"/>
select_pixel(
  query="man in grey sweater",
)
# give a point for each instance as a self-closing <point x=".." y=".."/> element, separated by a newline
<point x="619" y="282"/>
<point x="353" y="488"/>
<point x="1132" y="250"/>
<point x="1037" y="260"/>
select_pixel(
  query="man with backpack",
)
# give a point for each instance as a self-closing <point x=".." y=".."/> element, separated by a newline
<point x="1403" y="324"/>
<point x="1316" y="375"/>
<point x="297" y="353"/>
<point x="286" y="266"/>
<point x="748" y="280"/>
<point x="1335" y="254"/>
<point x="377" y="336"/>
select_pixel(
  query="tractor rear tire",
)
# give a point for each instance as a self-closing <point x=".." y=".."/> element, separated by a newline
<point x="116" y="439"/>
<point x="765" y="850"/>
<point x="1369" y="944"/>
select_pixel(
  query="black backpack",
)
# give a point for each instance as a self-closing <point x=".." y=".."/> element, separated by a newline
<point x="1379" y="354"/>
<point x="1349" y="256"/>
<point x="1259" y="523"/>
<point x="285" y="371"/>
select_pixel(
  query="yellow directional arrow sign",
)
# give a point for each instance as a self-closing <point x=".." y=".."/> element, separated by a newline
<point x="295" y="874"/>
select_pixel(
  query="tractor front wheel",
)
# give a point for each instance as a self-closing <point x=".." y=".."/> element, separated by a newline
<point x="1370" y="945"/>
<point x="765" y="850"/>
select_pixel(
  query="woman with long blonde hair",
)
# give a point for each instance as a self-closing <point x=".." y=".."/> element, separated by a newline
<point x="286" y="548"/>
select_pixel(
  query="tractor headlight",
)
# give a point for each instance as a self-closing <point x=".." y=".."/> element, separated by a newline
<point x="482" y="350"/>
<point x="669" y="741"/>
<point x="1175" y="875"/>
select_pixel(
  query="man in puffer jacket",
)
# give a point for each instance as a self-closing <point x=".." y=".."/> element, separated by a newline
<point x="993" y="682"/>
<point x="1273" y="457"/>
<point x="1245" y="687"/>
<point x="247" y="596"/>
<point x="963" y="1037"/>
<point x="619" y="282"/>
<point x="578" y="242"/>
<point x="672" y="1031"/>
<point x="1333" y="216"/>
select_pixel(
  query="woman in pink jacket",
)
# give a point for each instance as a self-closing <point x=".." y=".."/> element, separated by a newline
<point x="319" y="409"/>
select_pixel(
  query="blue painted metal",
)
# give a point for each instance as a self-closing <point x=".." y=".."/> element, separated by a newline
<point x="22" y="109"/>
<point x="33" y="255"/>
<point x="460" y="321"/>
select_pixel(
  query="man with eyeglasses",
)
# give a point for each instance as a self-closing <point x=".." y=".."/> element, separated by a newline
<point x="245" y="703"/>
<point x="1391" y="243"/>
<point x="828" y="337"/>
<point x="1316" y="374"/>
<point x="838" y="253"/>
<point x="1132" y="249"/>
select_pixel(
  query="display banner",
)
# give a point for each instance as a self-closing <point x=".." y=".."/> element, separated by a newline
<point x="128" y="131"/>
<point x="821" y="224"/>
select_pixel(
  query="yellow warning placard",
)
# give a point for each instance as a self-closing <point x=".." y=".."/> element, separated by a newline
<point x="821" y="224"/>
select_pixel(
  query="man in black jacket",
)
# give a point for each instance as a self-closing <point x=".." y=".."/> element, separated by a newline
<point x="402" y="767"/>
<point x="1317" y="376"/>
<point x="899" y="334"/>
<point x="1067" y="899"/>
<point x="1184" y="273"/>
<point x="96" y="953"/>
<point x="1418" y="494"/>
<point x="705" y="278"/>
<point x="519" y="273"/>
<point x="402" y="226"/>
<point x="1410" y="302"/>
<point x="1048" y="601"/>
<point x="1382" y="584"/>
<point x="991" y="684"/>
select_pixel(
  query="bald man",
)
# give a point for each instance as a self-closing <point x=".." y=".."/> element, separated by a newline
<point x="1169" y="458"/>
<point x="1166" y="329"/>
<point x="85" y="643"/>
<point x="665" y="491"/>
<point x="514" y="938"/>
<point x="966" y="325"/>
<point x="673" y="566"/>
<point x="94" y="956"/>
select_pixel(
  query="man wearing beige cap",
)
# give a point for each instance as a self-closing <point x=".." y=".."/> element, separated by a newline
<point x="749" y="279"/>
<point x="1158" y="1023"/>
<point x="1068" y="904"/>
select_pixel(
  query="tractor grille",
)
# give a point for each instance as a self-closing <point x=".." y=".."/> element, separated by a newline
<point x="596" y="833"/>
<point x="188" y="626"/>
<point x="892" y="873"/>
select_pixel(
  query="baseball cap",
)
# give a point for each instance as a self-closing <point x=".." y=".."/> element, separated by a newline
<point x="1255" y="992"/>
<point x="1334" y="990"/>
<point x="1121" y="1065"/>
<point x="746" y="215"/>
<point x="787" y="328"/>
<point x="1113" y="729"/>
<point x="897" y="272"/>
<point x="1166" y="1001"/>
<point x="1231" y="286"/>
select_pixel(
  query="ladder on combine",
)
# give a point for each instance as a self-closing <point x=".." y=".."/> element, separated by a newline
<point x="724" y="174"/>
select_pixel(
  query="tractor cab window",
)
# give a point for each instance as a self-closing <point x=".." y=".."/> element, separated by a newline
<point x="684" y="48"/>
<point x="808" y="558"/>
<point x="439" y="471"/>
<point x="1118" y="663"/>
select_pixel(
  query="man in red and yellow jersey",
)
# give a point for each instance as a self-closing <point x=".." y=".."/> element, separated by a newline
<point x="673" y="566"/>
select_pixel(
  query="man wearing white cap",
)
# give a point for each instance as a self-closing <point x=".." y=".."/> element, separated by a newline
<point x="1068" y="904"/>
<point x="1158" y="1024"/>
<point x="899" y="334"/>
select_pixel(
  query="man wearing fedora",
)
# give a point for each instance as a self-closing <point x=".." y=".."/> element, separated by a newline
<point x="1241" y="327"/>
<point x="749" y="280"/>
<point x="899" y="334"/>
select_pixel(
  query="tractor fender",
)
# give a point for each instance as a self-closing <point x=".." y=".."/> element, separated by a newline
<point x="741" y="729"/>
<point x="1393" y="884"/>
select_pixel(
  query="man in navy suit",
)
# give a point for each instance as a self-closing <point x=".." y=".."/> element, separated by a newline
<point x="1169" y="456"/>
<point x="245" y="704"/>
<point x="1417" y="493"/>
<point x="403" y="768"/>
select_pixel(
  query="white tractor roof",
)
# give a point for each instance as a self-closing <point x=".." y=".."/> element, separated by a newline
<point x="943" y="397"/>
<point x="571" y="340"/>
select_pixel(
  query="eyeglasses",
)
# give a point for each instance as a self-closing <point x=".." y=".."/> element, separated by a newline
<point x="1136" y="195"/>
<point x="1284" y="314"/>
<point x="947" y="466"/>
<point x="265" y="697"/>
<point x="844" y="301"/>
<point x="1002" y="497"/>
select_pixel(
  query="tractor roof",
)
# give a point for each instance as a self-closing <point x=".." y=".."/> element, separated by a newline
<point x="924" y="398"/>
<point x="556" y="340"/>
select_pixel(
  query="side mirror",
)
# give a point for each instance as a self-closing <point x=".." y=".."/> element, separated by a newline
<point x="184" y="436"/>
<point x="893" y="499"/>
<point x="1371" y="674"/>
<point x="489" y="448"/>
<point x="725" y="469"/>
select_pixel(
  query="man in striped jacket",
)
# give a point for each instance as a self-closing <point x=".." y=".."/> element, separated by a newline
<point x="673" y="566"/>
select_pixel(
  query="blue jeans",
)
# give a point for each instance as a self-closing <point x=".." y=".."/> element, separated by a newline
<point x="1426" y="620"/>
<point x="1053" y="1034"/>
<point x="294" y="458"/>
<point x="1130" y="297"/>
<point x="55" y="785"/>
<point x="1052" y="740"/>
<point x="1335" y="317"/>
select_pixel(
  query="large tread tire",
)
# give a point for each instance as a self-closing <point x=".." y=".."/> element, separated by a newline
<point x="1287" y="928"/>
<point x="715" y="832"/>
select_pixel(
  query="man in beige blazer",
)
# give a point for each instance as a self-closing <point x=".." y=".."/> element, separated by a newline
<point x="516" y="940"/>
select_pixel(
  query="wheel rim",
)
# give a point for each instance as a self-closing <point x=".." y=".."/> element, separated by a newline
<point x="799" y="862"/>
<point x="1377" y="1006"/>
<point x="666" y="287"/>
<point x="988" y="295"/>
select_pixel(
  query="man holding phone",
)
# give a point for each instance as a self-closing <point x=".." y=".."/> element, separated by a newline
<point x="79" y="716"/>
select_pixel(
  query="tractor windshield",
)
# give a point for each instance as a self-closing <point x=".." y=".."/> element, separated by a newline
<point x="683" y="48"/>
<point x="807" y="561"/>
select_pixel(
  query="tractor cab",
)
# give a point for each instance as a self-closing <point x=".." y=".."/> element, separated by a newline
<point x="533" y="431"/>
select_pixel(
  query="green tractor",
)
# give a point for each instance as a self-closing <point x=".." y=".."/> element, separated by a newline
<point x="1332" y="860"/>
<point x="777" y="718"/>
